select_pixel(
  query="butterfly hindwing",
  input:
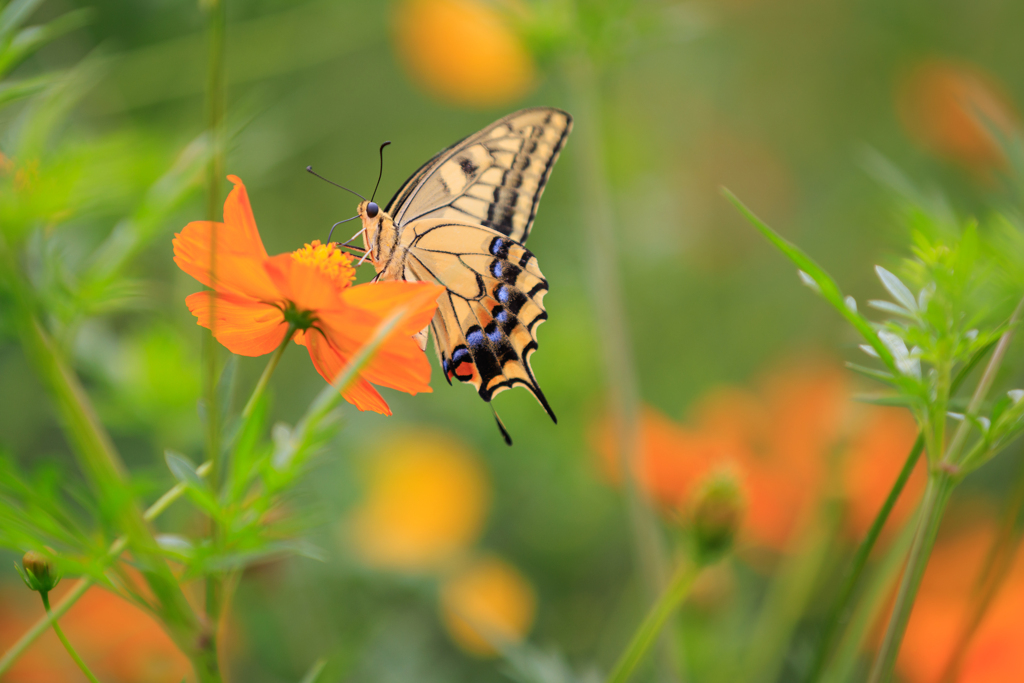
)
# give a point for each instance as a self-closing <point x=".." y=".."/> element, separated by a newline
<point x="493" y="178"/>
<point x="485" y="325"/>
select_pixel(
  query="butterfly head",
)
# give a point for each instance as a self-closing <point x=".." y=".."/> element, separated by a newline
<point x="370" y="213"/>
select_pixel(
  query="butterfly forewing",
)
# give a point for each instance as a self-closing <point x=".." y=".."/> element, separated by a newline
<point x="493" y="178"/>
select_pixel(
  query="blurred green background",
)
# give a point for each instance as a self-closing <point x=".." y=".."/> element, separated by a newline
<point x="782" y="101"/>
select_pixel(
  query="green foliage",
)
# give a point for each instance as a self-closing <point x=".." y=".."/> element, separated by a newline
<point x="953" y="310"/>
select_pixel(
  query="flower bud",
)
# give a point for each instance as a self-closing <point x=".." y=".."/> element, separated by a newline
<point x="716" y="515"/>
<point x="39" y="573"/>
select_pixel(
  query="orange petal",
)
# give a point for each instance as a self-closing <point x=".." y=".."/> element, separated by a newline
<point x="381" y="298"/>
<point x="302" y="284"/>
<point x="329" y="362"/>
<point x="238" y="269"/>
<point x="238" y="215"/>
<point x="244" y="326"/>
<point x="399" y="363"/>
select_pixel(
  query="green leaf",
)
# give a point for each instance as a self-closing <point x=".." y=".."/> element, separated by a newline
<point x="226" y="385"/>
<point x="899" y="400"/>
<point x="198" y="492"/>
<point x="14" y="15"/>
<point x="12" y="91"/>
<point x="313" y="675"/>
<point x="899" y="291"/>
<point x="891" y="308"/>
<point x="880" y="375"/>
<point x="183" y="469"/>
<point x="31" y="39"/>
<point x="827" y="286"/>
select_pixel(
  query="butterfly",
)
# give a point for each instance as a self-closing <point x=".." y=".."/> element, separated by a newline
<point x="462" y="221"/>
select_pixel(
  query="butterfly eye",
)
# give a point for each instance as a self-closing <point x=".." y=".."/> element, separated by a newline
<point x="372" y="209"/>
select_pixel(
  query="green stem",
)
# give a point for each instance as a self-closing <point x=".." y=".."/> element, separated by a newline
<point x="261" y="385"/>
<point x="67" y="644"/>
<point x="12" y="655"/>
<point x="788" y="597"/>
<point x="839" y="611"/>
<point x="838" y="615"/>
<point x="936" y="495"/>
<point x="875" y="597"/>
<point x="649" y="630"/>
<point x="205" y="661"/>
<point x="118" y="546"/>
<point x="617" y="353"/>
<point x="952" y="456"/>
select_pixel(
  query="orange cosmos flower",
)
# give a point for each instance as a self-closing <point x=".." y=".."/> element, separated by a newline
<point x="779" y="440"/>
<point x="951" y="109"/>
<point x="120" y="642"/>
<point x="257" y="298"/>
<point x="946" y="596"/>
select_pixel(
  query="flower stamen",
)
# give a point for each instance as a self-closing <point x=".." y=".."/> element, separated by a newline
<point x="329" y="260"/>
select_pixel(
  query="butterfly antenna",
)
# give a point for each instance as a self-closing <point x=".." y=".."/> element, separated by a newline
<point x="501" y="425"/>
<point x="380" y="173"/>
<point x="336" y="225"/>
<point x="310" y="170"/>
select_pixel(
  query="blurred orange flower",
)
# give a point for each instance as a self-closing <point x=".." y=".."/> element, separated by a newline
<point x="256" y="297"/>
<point x="463" y="51"/>
<point x="426" y="499"/>
<point x="780" y="441"/>
<point x="950" y="110"/>
<point x="119" y="642"/>
<point x="995" y="654"/>
<point x="487" y="603"/>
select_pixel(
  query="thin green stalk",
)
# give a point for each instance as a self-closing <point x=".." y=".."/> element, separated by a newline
<point x="952" y="456"/>
<point x="865" y="613"/>
<point x="67" y="644"/>
<point x="261" y="385"/>
<point x="106" y="473"/>
<point x="116" y="548"/>
<point x="39" y="628"/>
<point x="649" y="630"/>
<point x="617" y="352"/>
<point x="837" y="616"/>
<point x="936" y="495"/>
<point x="787" y="599"/>
<point x="216" y="19"/>
<point x="941" y="481"/>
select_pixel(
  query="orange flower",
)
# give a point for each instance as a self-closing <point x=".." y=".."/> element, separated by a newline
<point x="950" y="110"/>
<point x="487" y="603"/>
<point x="943" y="602"/>
<point x="878" y="447"/>
<point x="120" y="642"/>
<point x="779" y="440"/>
<point x="256" y="298"/>
<point x="463" y="51"/>
<point x="426" y="500"/>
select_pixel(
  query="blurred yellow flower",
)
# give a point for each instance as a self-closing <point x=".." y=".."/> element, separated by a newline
<point x="462" y="51"/>
<point x="487" y="603"/>
<point x="426" y="499"/>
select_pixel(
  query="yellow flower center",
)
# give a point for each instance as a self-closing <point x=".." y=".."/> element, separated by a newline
<point x="329" y="260"/>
